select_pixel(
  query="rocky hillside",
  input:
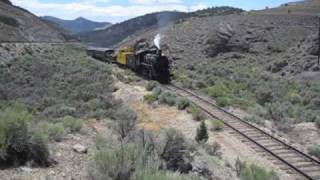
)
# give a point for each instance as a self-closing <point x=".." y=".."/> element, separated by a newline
<point x="17" y="24"/>
<point x="263" y="63"/>
<point x="78" y="25"/>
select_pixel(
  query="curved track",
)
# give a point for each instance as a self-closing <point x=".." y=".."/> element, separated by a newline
<point x="287" y="157"/>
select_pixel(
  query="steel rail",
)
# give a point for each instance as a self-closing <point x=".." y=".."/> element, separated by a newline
<point x="305" y="156"/>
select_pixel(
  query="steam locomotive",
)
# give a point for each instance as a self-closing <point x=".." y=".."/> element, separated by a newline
<point x="145" y="60"/>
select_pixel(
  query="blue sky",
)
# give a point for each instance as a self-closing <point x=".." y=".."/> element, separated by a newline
<point x="120" y="10"/>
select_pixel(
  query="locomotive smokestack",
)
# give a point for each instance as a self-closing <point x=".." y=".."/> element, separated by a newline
<point x="157" y="41"/>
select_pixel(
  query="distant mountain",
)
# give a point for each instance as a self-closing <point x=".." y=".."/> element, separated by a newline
<point x="120" y="31"/>
<point x="78" y="25"/>
<point x="18" y="24"/>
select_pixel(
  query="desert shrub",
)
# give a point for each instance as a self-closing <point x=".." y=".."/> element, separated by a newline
<point x="254" y="118"/>
<point x="72" y="124"/>
<point x="151" y="85"/>
<point x="218" y="90"/>
<point x="264" y="95"/>
<point x="168" y="98"/>
<point x="175" y="152"/>
<point x="157" y="91"/>
<point x="253" y="172"/>
<point x="217" y="125"/>
<point x="202" y="133"/>
<point x="258" y="110"/>
<point x="18" y="144"/>
<point x="143" y="157"/>
<point x="114" y="164"/>
<point x="182" y="103"/>
<point x="154" y="174"/>
<point x="196" y="112"/>
<point x="213" y="149"/>
<point x="125" y="120"/>
<point x="223" y="101"/>
<point x="150" y="98"/>
<point x="54" y="132"/>
<point x="317" y="121"/>
<point x="314" y="150"/>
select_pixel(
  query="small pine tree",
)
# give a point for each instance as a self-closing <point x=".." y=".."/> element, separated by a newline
<point x="202" y="133"/>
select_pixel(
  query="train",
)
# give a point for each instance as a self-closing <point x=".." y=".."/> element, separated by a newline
<point x="147" y="61"/>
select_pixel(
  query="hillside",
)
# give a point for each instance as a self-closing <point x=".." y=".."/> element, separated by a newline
<point x="78" y="25"/>
<point x="307" y="7"/>
<point x="265" y="64"/>
<point x="17" y="24"/>
<point x="118" y="32"/>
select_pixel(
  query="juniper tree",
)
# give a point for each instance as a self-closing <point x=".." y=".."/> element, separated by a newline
<point x="202" y="133"/>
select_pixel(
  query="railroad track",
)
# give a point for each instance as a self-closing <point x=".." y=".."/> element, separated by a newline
<point x="285" y="156"/>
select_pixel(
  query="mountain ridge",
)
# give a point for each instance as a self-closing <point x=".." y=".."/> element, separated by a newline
<point x="78" y="25"/>
<point x="18" y="24"/>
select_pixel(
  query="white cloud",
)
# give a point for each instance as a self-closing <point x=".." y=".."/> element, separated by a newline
<point x="111" y="13"/>
<point x="149" y="2"/>
<point x="198" y="7"/>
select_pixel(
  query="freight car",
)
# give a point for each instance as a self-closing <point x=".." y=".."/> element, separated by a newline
<point x="146" y="61"/>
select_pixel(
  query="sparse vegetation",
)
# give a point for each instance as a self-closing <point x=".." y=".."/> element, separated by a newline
<point x="125" y="120"/>
<point x="217" y="125"/>
<point x="151" y="85"/>
<point x="150" y="98"/>
<point x="202" y="133"/>
<point x="196" y="112"/>
<point x="182" y="103"/>
<point x="315" y="150"/>
<point x="9" y="21"/>
<point x="20" y="144"/>
<point x="143" y="157"/>
<point x="167" y="98"/>
<point x="253" y="172"/>
<point x="54" y="131"/>
<point x="72" y="124"/>
<point x="213" y="149"/>
<point x="223" y="101"/>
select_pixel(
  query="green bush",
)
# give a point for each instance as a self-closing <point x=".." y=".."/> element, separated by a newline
<point x="255" y="119"/>
<point x="168" y="98"/>
<point x="154" y="174"/>
<point x="218" y="90"/>
<point x="150" y="98"/>
<point x="114" y="163"/>
<point x="213" y="149"/>
<point x="183" y="103"/>
<point x="151" y="85"/>
<point x="202" y="133"/>
<point x="253" y="172"/>
<point x="54" y="132"/>
<point x="72" y="124"/>
<point x="315" y="150"/>
<point x="223" y="101"/>
<point x="157" y="91"/>
<point x="125" y="121"/>
<point x="18" y="143"/>
<point x="196" y="112"/>
<point x="217" y="125"/>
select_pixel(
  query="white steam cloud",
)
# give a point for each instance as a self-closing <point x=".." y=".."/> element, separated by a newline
<point x="157" y="41"/>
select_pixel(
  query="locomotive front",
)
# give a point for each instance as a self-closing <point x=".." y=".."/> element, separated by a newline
<point x="154" y="65"/>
